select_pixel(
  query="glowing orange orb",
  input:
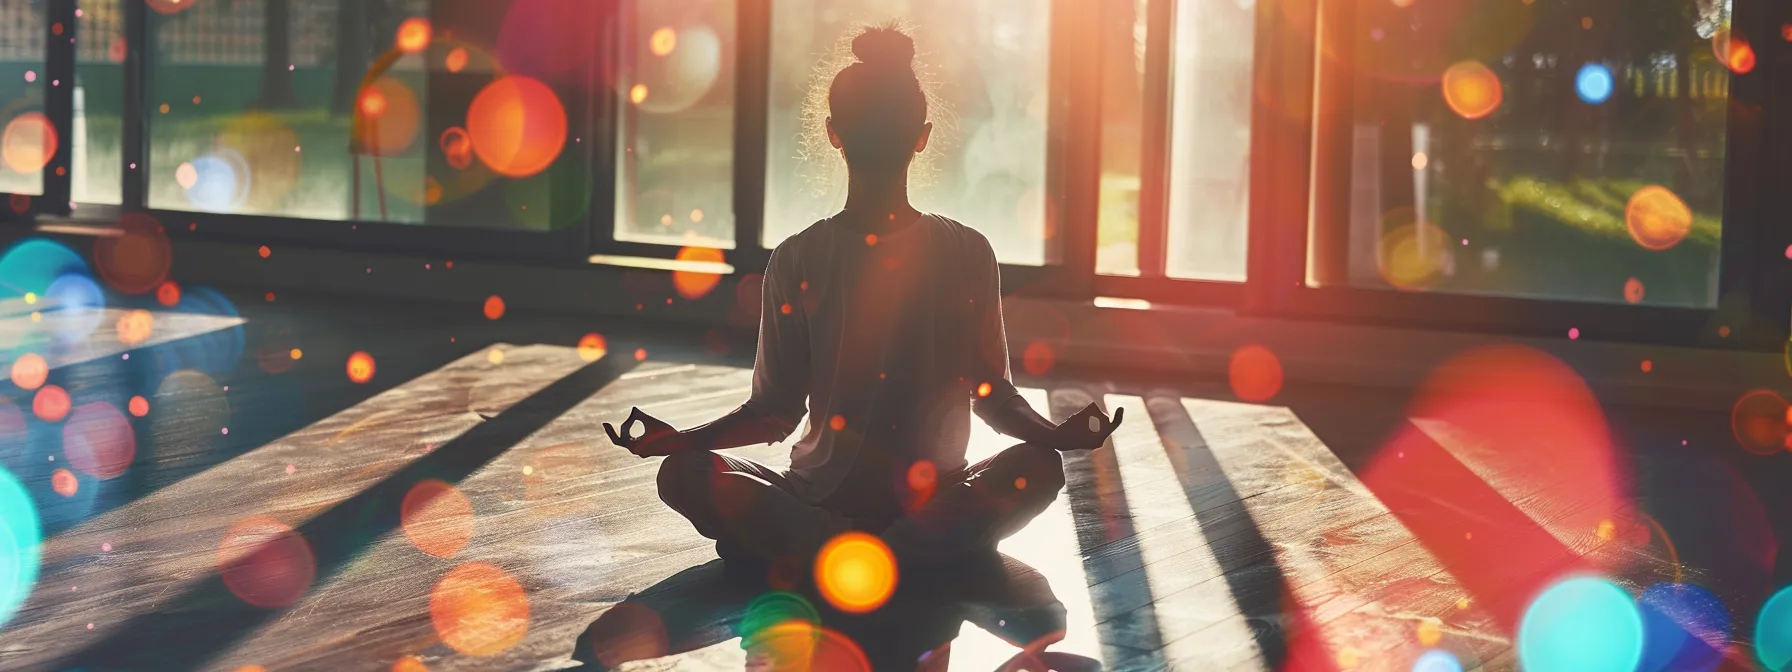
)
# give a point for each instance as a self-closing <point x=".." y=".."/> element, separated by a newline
<point x="856" y="572"/>
<point x="1733" y="51"/>
<point x="390" y="117"/>
<point x="28" y="143"/>
<point x="1255" y="373"/>
<point x="170" y="6"/>
<point x="494" y="307"/>
<point x="456" y="60"/>
<point x="139" y="406"/>
<point x="695" y="284"/>
<point x="168" y="293"/>
<point x="663" y="41"/>
<point x="64" y="482"/>
<point x="479" y="610"/>
<point x="1471" y="89"/>
<point x="837" y="422"/>
<point x="457" y="147"/>
<point x="1759" y="422"/>
<point x="137" y="260"/>
<point x="265" y="562"/>
<point x="264" y="251"/>
<point x="592" y="347"/>
<point x="518" y="126"/>
<point x="50" y="404"/>
<point x="360" y="367"/>
<point x="640" y="354"/>
<point x="1656" y="218"/>
<point x="29" y="371"/>
<point x="413" y="35"/>
<point x="637" y="94"/>
<point x="437" y="518"/>
<point x="922" y="475"/>
<point x="798" y="644"/>
<point x="1633" y="290"/>
<point x="409" y="664"/>
<point x="983" y="390"/>
<point x="135" y="326"/>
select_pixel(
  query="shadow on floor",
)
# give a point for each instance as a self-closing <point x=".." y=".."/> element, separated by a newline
<point x="710" y="604"/>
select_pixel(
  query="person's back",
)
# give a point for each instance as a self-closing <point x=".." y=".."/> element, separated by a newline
<point x="883" y="325"/>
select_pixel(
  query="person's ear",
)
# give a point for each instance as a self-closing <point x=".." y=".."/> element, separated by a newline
<point x="926" y="132"/>
<point x="833" y="137"/>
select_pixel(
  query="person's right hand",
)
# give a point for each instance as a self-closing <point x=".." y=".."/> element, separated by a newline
<point x="657" y="438"/>
<point x="1086" y="430"/>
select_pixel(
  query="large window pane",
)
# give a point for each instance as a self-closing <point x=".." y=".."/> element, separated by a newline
<point x="676" y="179"/>
<point x="29" y="140"/>
<point x="1122" y="135"/>
<point x="413" y="111"/>
<point x="1570" y="149"/>
<point x="1210" y="140"/>
<point x="986" y="164"/>
<point x="98" y="150"/>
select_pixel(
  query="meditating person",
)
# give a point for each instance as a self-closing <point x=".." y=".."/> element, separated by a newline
<point x="884" y="325"/>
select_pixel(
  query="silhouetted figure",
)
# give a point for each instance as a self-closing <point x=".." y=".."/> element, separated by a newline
<point x="884" y="325"/>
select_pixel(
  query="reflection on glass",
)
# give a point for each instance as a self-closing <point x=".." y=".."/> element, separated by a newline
<point x="676" y="159"/>
<point x="27" y="140"/>
<point x="1565" y="150"/>
<point x="1122" y="129"/>
<point x="409" y="111"/>
<point x="1210" y="140"/>
<point x="98" y="157"/>
<point x="985" y="165"/>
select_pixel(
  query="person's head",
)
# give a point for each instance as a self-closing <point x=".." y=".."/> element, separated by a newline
<point x="877" y="108"/>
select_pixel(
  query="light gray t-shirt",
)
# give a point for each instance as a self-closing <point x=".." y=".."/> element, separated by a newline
<point x="887" y="339"/>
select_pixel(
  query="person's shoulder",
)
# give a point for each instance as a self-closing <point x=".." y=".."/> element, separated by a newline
<point x="792" y="246"/>
<point x="961" y="235"/>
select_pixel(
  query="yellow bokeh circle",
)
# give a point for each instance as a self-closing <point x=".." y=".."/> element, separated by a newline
<point x="856" y="572"/>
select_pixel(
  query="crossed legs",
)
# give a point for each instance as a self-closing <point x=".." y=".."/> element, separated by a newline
<point x="752" y="511"/>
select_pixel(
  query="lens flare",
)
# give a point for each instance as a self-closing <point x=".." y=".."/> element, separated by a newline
<point x="1414" y="256"/>
<point x="457" y="148"/>
<point x="28" y="143"/>
<point x="360" y="367"/>
<point x="663" y="41"/>
<point x="168" y="293"/>
<point x="694" y="285"/>
<point x="1255" y="373"/>
<point x="1437" y="660"/>
<point x="220" y="182"/>
<point x="1594" y="83"/>
<point x="265" y="562"/>
<point x="135" y="327"/>
<point x="64" y="483"/>
<point x="21" y="536"/>
<point x="1685" y="627"/>
<point x="798" y="644"/>
<point x="479" y="610"/>
<point x="170" y="6"/>
<point x="99" y="441"/>
<point x="1773" y="631"/>
<point x="413" y="35"/>
<point x="456" y="60"/>
<point x="390" y="117"/>
<point x="592" y="347"/>
<point x="136" y="261"/>
<point x="629" y="631"/>
<point x="1583" y="624"/>
<point x="856" y="572"/>
<point x="139" y="406"/>
<point x="1633" y="291"/>
<point x="1657" y="219"/>
<point x="50" y="404"/>
<point x="1038" y="357"/>
<point x="517" y="125"/>
<point x="30" y="371"/>
<point x="1471" y="89"/>
<point x="409" y="664"/>
<point x="437" y="518"/>
<point x="494" y="307"/>
<point x="1759" y="422"/>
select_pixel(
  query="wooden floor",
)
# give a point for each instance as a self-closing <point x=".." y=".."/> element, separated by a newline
<point x="1210" y="535"/>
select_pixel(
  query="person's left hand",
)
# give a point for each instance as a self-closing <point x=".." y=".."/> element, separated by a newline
<point x="1086" y="430"/>
<point x="657" y="438"/>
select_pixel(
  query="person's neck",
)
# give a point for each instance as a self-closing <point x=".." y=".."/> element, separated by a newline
<point x="879" y="202"/>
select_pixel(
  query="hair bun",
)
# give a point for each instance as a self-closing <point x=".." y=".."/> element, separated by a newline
<point x="884" y="48"/>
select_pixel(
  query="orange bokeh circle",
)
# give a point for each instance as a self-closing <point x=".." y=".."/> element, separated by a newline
<point x="1759" y="422"/>
<point x="856" y="572"/>
<point x="494" y="307"/>
<point x="51" y="403"/>
<point x="518" y="126"/>
<point x="592" y="347"/>
<point x="479" y="610"/>
<point x="413" y="35"/>
<point x="360" y="367"/>
<point x="388" y="117"/>
<point x="265" y="562"/>
<point x="1255" y="373"/>
<point x="1471" y="89"/>
<point x="28" y="142"/>
<point x="29" y="371"/>
<point x="1656" y="218"/>
<point x="695" y="284"/>
<point x="136" y="260"/>
<point x="437" y="518"/>
<point x="135" y="326"/>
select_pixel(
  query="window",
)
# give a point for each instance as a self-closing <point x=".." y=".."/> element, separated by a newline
<point x="675" y="168"/>
<point x="1124" y="52"/>
<point x="28" y="140"/>
<point x="408" y="111"/>
<point x="98" y="150"/>
<point x="985" y="165"/>
<point x="1562" y="150"/>
<point x="1210" y="140"/>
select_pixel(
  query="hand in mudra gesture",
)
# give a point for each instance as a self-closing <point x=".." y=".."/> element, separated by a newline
<point x="657" y="439"/>
<point x="1087" y="430"/>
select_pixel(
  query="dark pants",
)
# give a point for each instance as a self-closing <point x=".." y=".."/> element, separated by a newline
<point x="752" y="511"/>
